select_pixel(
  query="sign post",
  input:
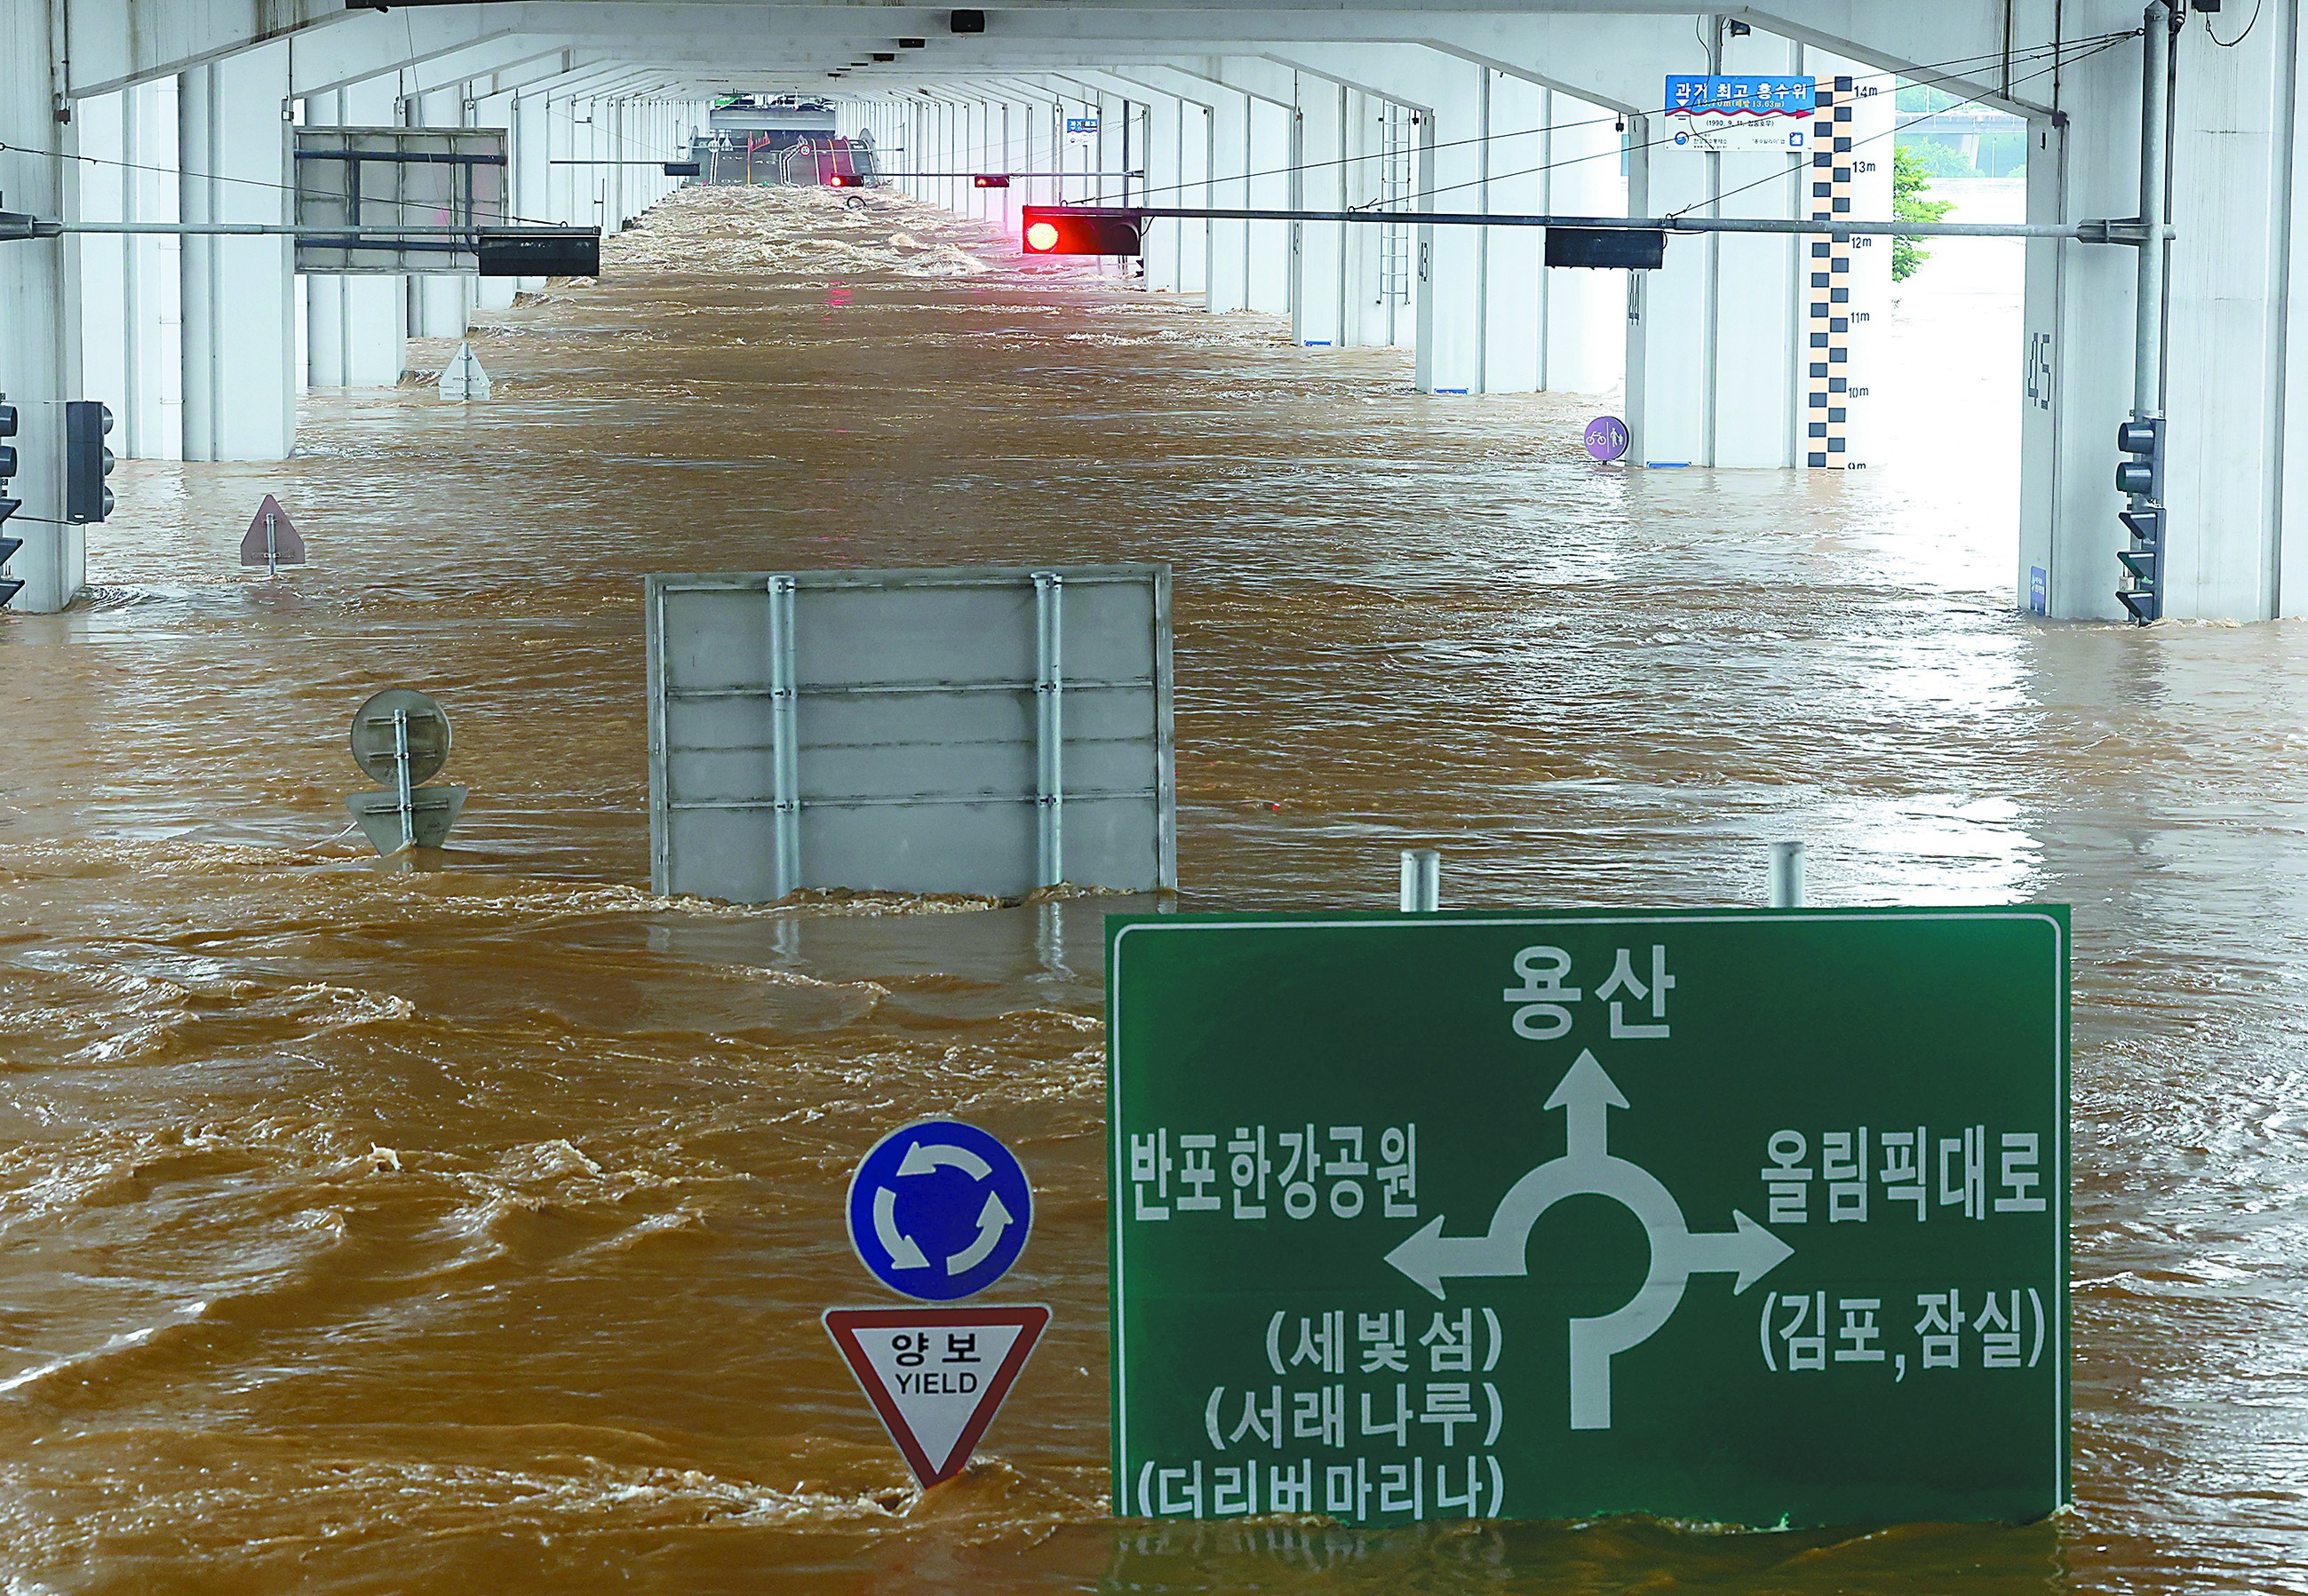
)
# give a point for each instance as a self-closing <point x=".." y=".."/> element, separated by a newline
<point x="1754" y="1216"/>
<point x="938" y="1211"/>
<point x="271" y="540"/>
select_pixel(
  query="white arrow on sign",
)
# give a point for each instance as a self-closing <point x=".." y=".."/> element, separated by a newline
<point x="1586" y="1167"/>
<point x="923" y="1158"/>
<point x="904" y="1252"/>
<point x="992" y="1221"/>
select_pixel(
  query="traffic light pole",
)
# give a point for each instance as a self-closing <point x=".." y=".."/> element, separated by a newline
<point x="2141" y="588"/>
<point x="960" y="176"/>
<point x="2123" y="230"/>
<point x="2146" y="361"/>
<point x="29" y="229"/>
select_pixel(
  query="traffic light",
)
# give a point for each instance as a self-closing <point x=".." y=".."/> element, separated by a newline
<point x="990" y="180"/>
<point x="844" y="180"/>
<point x="87" y="461"/>
<point x="2141" y="478"/>
<point x="1054" y="231"/>
<point x="9" y="586"/>
<point x="1635" y="249"/>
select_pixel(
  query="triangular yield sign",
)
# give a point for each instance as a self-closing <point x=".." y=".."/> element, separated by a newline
<point x="277" y="545"/>
<point x="462" y="378"/>
<point x="937" y="1375"/>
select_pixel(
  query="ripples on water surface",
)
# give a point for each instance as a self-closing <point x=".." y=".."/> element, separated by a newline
<point x="467" y="1229"/>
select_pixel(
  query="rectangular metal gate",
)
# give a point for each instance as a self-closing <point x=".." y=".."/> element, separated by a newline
<point x="954" y="731"/>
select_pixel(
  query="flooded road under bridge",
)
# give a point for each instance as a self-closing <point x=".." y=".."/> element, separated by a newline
<point x="468" y="1228"/>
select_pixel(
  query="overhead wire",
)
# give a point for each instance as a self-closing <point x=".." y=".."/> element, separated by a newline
<point x="2058" y="64"/>
<point x="1926" y="73"/>
<point x="2058" y="52"/>
<point x="286" y="188"/>
<point x="2230" y="44"/>
<point x="2061" y="57"/>
<point x="2065" y="52"/>
<point x="2062" y="53"/>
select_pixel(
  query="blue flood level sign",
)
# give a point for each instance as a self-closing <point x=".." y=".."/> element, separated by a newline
<point x="939" y="1210"/>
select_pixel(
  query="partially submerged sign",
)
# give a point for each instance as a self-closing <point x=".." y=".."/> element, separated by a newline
<point x="463" y="378"/>
<point x="936" y="1376"/>
<point x="938" y="1210"/>
<point x="1749" y="1217"/>
<point x="399" y="738"/>
<point x="959" y="730"/>
<point x="272" y="538"/>
<point x="1605" y="438"/>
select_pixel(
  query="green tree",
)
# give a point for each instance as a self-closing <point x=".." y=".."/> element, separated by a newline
<point x="1909" y="180"/>
<point x="1938" y="159"/>
<point x="1923" y="97"/>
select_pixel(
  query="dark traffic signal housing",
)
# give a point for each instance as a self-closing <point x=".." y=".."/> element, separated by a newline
<point x="2142" y="475"/>
<point x="990" y="180"/>
<point x="1635" y="249"/>
<point x="9" y="586"/>
<point x="87" y="461"/>
<point x="2139" y="477"/>
<point x="1056" y="230"/>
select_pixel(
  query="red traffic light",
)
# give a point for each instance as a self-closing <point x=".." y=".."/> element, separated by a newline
<point x="1055" y="230"/>
<point x="990" y="180"/>
<point x="845" y="180"/>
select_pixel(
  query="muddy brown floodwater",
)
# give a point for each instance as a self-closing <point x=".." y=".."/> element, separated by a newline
<point x="466" y="1230"/>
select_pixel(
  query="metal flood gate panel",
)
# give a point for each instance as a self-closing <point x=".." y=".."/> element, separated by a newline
<point x="382" y="179"/>
<point x="966" y="731"/>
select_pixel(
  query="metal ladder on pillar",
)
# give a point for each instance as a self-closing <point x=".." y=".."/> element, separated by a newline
<point x="1398" y="152"/>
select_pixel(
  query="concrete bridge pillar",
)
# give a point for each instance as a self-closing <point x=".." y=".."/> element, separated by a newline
<point x="2235" y="325"/>
<point x="440" y="305"/>
<point x="952" y="120"/>
<point x="39" y="335"/>
<point x="240" y="292"/>
<point x="1438" y="145"/>
<point x="1453" y="165"/>
<point x="1718" y="355"/>
<point x="131" y="350"/>
<point x="496" y="110"/>
<point x="356" y="326"/>
<point x="1377" y="259"/>
<point x="1270" y="148"/>
<point x="1510" y="263"/>
<point x="1318" y="299"/>
<point x="1228" y="280"/>
<point x="1177" y="172"/>
<point x="531" y="176"/>
<point x="1584" y="349"/>
<point x="973" y="134"/>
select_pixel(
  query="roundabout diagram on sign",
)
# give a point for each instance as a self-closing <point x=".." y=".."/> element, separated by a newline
<point x="1587" y="1095"/>
<point x="939" y="1210"/>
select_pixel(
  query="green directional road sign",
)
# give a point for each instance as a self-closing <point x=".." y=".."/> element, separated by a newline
<point x="1751" y="1216"/>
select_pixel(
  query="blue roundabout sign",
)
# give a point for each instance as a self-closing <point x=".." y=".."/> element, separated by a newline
<point x="939" y="1210"/>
